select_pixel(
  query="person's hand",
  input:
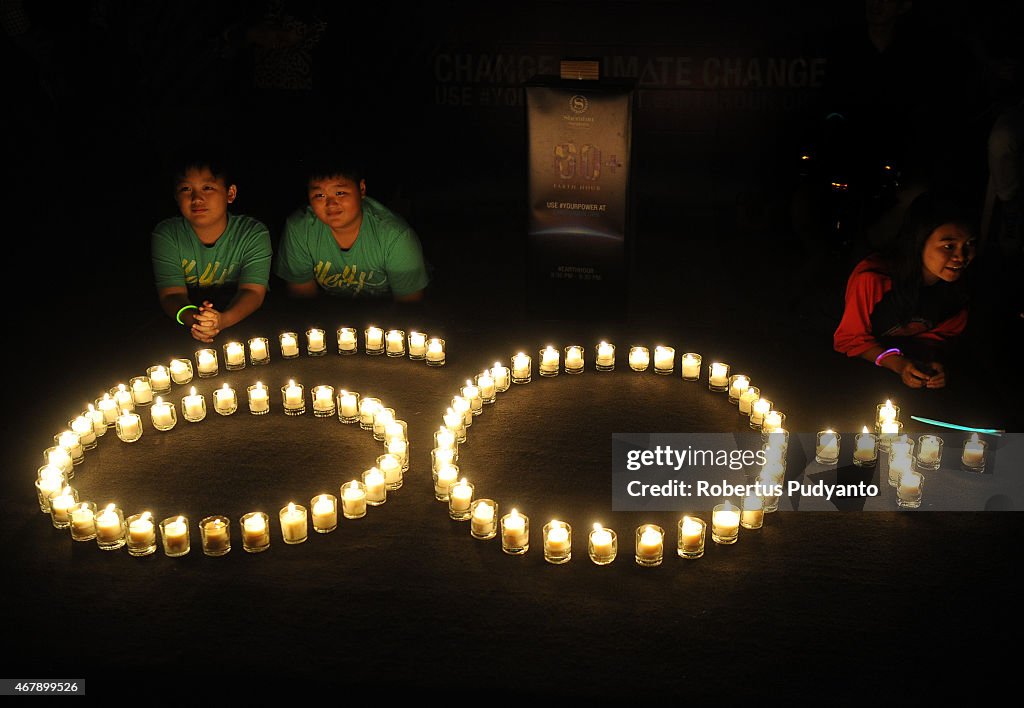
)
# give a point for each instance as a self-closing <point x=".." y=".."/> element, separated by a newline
<point x="207" y="323"/>
<point x="938" y="377"/>
<point x="912" y="375"/>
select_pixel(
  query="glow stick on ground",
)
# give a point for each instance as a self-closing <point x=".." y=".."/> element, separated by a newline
<point x="954" y="426"/>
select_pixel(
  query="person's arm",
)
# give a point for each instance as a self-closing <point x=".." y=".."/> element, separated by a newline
<point x="211" y="322"/>
<point x="407" y="270"/>
<point x="172" y="300"/>
<point x="304" y="290"/>
<point x="910" y="373"/>
<point x="411" y="297"/>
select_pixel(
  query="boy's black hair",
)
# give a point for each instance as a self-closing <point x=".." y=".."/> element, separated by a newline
<point x="214" y="160"/>
<point x="333" y="164"/>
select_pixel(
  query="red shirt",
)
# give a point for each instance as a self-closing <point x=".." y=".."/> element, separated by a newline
<point x="864" y="290"/>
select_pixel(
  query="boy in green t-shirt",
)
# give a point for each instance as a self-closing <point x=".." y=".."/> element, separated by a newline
<point x="347" y="244"/>
<point x="211" y="267"/>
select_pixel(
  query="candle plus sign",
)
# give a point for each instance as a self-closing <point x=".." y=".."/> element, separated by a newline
<point x="613" y="163"/>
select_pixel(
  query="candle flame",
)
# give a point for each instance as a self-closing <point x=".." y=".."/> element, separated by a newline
<point x="259" y="385"/>
<point x="159" y="400"/>
<point x="110" y="507"/>
<point x="598" y="526"/>
<point x="146" y="516"/>
<point x="180" y="519"/>
<point x="514" y="514"/>
<point x="193" y="390"/>
<point x="226" y="387"/>
<point x="291" y="507"/>
<point x="974" y="438"/>
<point x="120" y="387"/>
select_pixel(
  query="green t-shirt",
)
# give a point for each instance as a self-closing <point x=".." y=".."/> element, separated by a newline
<point x="385" y="258"/>
<point x="241" y="255"/>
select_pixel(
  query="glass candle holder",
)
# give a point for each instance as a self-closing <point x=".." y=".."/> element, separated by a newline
<point x="865" y="452"/>
<point x="391" y="467"/>
<point x="664" y="360"/>
<point x="323" y="401"/>
<point x="347" y="343"/>
<point x="441" y="457"/>
<point x="522" y="368"/>
<point x="225" y="400"/>
<point x="776" y="438"/>
<point x="234" y="356"/>
<point x="174" y="536"/>
<point x="417" y="345"/>
<point x="141" y="534"/>
<point x="462" y="406"/>
<point x="400" y="449"/>
<point x="557" y="537"/>
<point x="691" y="366"/>
<point x="738" y="385"/>
<point x="604" y="357"/>
<point x="502" y="377"/>
<point x="444" y="477"/>
<point x="353" y="500"/>
<point x="752" y="516"/>
<point x="396" y="430"/>
<point x="602" y="545"/>
<point x="181" y="371"/>
<point x="49" y="481"/>
<point x="142" y="390"/>
<point x="59" y="458"/>
<point x="973" y="456"/>
<point x="826" y="450"/>
<point x="435" y="355"/>
<point x="375" y="487"/>
<point x="901" y="446"/>
<point x="259" y="399"/>
<point x="691" y="537"/>
<point x="885" y="413"/>
<point x="888" y="432"/>
<point x="718" y="376"/>
<point x="456" y="423"/>
<point x="758" y="410"/>
<point x="122" y="398"/>
<point x="444" y="438"/>
<point x="471" y="392"/>
<point x="99" y="422"/>
<point x="394" y="343"/>
<point x="368" y="408"/>
<point x="515" y="533"/>
<point x="193" y="406"/>
<point x="72" y="443"/>
<point x="483" y="518"/>
<point x="129" y="427"/>
<point x="650" y="545"/>
<point x="289" y="343"/>
<point x="772" y="486"/>
<point x="373" y="337"/>
<point x="82" y="517"/>
<point x="909" y="490"/>
<point x="107" y="407"/>
<point x="110" y="528"/>
<point x="325" y="512"/>
<point x="773" y="420"/>
<point x="381" y="419"/>
<point x="485" y="383"/>
<point x="293" y="396"/>
<point x="259" y="351"/>
<point x="163" y="415"/>
<point x="899" y="463"/>
<point x="573" y="362"/>
<point x="159" y="378"/>
<point x="550" y="361"/>
<point x="348" y="406"/>
<point x="255" y="532"/>
<point x="460" y="499"/>
<point x="316" y="343"/>
<point x="215" y="532"/>
<point x="929" y="452"/>
<point x="206" y="363"/>
<point x="725" y="523"/>
<point x="294" y="524"/>
<point x="639" y="358"/>
<point x="61" y="503"/>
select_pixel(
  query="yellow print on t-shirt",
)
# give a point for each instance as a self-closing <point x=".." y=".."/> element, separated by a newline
<point x="213" y="274"/>
<point x="350" y="277"/>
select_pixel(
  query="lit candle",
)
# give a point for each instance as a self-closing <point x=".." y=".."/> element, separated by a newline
<point x="391" y="468"/>
<point x="650" y="544"/>
<point x="323" y="398"/>
<point x="574" y="358"/>
<point x="159" y="378"/>
<point x="129" y="426"/>
<point x="482" y="521"/>
<point x="739" y="385"/>
<point x="259" y="400"/>
<point x="485" y="383"/>
<point x="315" y="340"/>
<point x="109" y="526"/>
<point x="514" y="535"/>
<point x="752" y="516"/>
<point x="758" y="410"/>
<point x="719" y="376"/>
<point x="500" y="374"/>
<point x="521" y="365"/>
<point x="59" y="458"/>
<point x="346" y="339"/>
<point x="83" y="521"/>
<point x="142" y="391"/>
<point x="142" y="531"/>
<point x="865" y="448"/>
<point x="224" y="399"/>
<point x="639" y="358"/>
<point x="387" y="415"/>
<point x="162" y="415"/>
<point x="930" y="450"/>
<point x="293" y="523"/>
<point x="827" y="449"/>
<point x="325" y="512"/>
<point x="83" y="428"/>
<point x="664" y="359"/>
<point x="207" y="360"/>
<point x="374" y="338"/>
<point x="99" y="422"/>
<point x="747" y="398"/>
<point x="549" y="361"/>
<point x="461" y="406"/>
<point x="181" y="371"/>
<point x="455" y="422"/>
<point x="376" y="489"/>
<point x="605" y="355"/>
<point x="471" y="392"/>
<point x="50" y="481"/>
<point x="194" y="405"/>
<point x="349" y="403"/>
<point x="176" y="540"/>
<point x="108" y="407"/>
<point x="216" y="537"/>
<point x="417" y="344"/>
<point x="368" y="408"/>
<point x="60" y="504"/>
<point x="691" y="366"/>
<point x="254" y="531"/>
<point x="234" y="354"/>
<point x="435" y="351"/>
<point x="72" y="442"/>
<point x="123" y="399"/>
<point x="557" y="541"/>
<point x="444" y="478"/>
<point x="602" y="547"/>
<point x="890" y="428"/>
<point x="974" y="452"/>
<point x="691" y="535"/>
<point x="461" y="496"/>
<point x="293" y="397"/>
<point x="289" y="344"/>
<point x="353" y="500"/>
<point x="400" y="449"/>
<point x="886" y="413"/>
<point x="258" y="348"/>
<point x="908" y="491"/>
<point x="395" y="341"/>
<point x="725" y="523"/>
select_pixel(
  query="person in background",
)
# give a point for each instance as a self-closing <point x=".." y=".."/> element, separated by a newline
<point x="905" y="307"/>
<point x="348" y="244"/>
<point x="211" y="267"/>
